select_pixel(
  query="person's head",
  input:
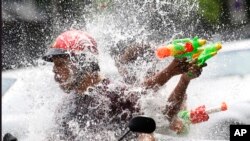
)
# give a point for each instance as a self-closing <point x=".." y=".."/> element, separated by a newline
<point x="74" y="54"/>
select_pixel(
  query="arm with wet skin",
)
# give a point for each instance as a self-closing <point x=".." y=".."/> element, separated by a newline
<point x="177" y="97"/>
<point x="176" y="67"/>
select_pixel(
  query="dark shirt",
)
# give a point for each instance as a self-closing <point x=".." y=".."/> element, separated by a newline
<point x="101" y="113"/>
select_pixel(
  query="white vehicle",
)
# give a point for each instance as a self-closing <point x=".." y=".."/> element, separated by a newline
<point x="29" y="103"/>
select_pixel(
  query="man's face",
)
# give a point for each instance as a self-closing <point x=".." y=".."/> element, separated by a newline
<point x="64" y="72"/>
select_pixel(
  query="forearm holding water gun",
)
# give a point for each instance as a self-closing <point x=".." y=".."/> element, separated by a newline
<point x="196" y="53"/>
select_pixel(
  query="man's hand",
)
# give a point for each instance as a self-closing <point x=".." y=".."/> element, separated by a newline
<point x="176" y="125"/>
<point x="182" y="66"/>
<point x="194" y="70"/>
<point x="146" y="137"/>
<point x="178" y="66"/>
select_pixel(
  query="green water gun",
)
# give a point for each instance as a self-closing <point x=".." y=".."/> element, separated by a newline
<point x="189" y="48"/>
<point x="207" y="52"/>
<point x="181" y="48"/>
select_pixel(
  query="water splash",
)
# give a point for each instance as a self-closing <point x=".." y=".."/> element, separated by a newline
<point x="151" y="21"/>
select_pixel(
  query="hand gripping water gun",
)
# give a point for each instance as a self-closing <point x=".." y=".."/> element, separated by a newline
<point x="190" y="48"/>
<point x="200" y="114"/>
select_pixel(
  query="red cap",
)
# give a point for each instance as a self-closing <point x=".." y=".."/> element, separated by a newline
<point x="73" y="41"/>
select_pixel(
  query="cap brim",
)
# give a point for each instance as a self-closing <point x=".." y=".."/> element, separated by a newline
<point x="53" y="52"/>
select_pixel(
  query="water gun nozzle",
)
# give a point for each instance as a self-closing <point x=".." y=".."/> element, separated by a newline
<point x="163" y="52"/>
<point x="218" y="46"/>
<point x="223" y="106"/>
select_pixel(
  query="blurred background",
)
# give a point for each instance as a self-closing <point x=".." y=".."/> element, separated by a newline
<point x="29" y="26"/>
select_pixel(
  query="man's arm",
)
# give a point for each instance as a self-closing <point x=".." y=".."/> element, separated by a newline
<point x="177" y="97"/>
<point x="177" y="66"/>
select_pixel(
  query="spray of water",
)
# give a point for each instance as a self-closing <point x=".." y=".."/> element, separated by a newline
<point x="152" y="21"/>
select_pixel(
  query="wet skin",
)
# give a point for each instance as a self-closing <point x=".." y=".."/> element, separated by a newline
<point x="63" y="72"/>
<point x="68" y="76"/>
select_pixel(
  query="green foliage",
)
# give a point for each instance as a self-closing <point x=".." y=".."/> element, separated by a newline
<point x="210" y="10"/>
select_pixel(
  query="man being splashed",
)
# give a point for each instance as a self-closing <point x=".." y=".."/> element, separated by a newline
<point x="96" y="108"/>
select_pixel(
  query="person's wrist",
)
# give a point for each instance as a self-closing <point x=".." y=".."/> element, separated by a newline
<point x="186" y="77"/>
